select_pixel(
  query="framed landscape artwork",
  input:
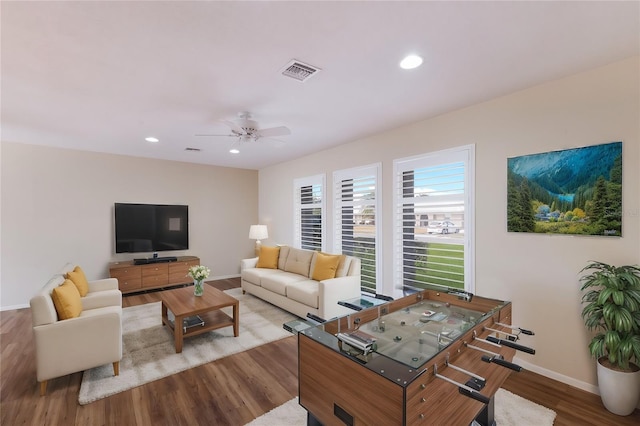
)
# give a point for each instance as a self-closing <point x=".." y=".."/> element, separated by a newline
<point x="573" y="191"/>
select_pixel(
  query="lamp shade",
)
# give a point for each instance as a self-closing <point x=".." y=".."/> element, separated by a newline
<point x="258" y="232"/>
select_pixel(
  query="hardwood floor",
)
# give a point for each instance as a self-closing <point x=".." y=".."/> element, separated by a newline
<point x="229" y="391"/>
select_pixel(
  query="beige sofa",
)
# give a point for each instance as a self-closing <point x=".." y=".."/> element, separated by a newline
<point x="92" y="339"/>
<point x="291" y="287"/>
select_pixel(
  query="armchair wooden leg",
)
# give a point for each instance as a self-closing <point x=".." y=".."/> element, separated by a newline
<point x="43" y="387"/>
<point x="116" y="368"/>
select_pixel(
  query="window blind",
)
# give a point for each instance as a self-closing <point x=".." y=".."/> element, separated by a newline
<point x="356" y="220"/>
<point x="309" y="214"/>
<point x="432" y="227"/>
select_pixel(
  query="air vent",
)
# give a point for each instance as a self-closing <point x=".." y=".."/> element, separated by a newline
<point x="193" y="149"/>
<point x="299" y="71"/>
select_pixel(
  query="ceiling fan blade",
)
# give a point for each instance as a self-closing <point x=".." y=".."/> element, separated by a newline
<point x="273" y="131"/>
<point x="234" y="136"/>
<point x="234" y="127"/>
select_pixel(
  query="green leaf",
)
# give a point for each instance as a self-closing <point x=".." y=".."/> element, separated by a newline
<point x="618" y="297"/>
<point x="604" y="295"/>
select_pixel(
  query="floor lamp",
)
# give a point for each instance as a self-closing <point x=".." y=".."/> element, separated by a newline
<point x="258" y="232"/>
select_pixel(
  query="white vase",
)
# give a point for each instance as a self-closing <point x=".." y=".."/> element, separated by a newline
<point x="619" y="390"/>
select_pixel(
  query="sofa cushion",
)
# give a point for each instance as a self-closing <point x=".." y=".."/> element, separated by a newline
<point x="343" y="266"/>
<point x="304" y="292"/>
<point x="278" y="282"/>
<point x="299" y="261"/>
<point x="66" y="299"/>
<point x="268" y="257"/>
<point x="282" y="260"/>
<point x="100" y="299"/>
<point x="79" y="279"/>
<point x="255" y="275"/>
<point x="324" y="266"/>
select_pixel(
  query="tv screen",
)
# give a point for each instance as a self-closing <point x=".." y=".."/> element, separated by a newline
<point x="151" y="227"/>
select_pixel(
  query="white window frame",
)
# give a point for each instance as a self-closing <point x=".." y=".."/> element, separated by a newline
<point x="297" y="185"/>
<point x="465" y="154"/>
<point x="370" y="171"/>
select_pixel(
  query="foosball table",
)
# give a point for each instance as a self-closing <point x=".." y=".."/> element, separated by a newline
<point x="429" y="358"/>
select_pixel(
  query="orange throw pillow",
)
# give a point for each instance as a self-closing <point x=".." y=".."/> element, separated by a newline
<point x="326" y="266"/>
<point x="268" y="257"/>
<point x="80" y="280"/>
<point x="66" y="299"/>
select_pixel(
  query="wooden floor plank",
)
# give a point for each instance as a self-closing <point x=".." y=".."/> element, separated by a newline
<point x="229" y="391"/>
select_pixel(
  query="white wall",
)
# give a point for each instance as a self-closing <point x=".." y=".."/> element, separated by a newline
<point x="57" y="207"/>
<point x="538" y="273"/>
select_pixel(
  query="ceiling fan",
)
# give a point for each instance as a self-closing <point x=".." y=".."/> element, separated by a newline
<point x="247" y="130"/>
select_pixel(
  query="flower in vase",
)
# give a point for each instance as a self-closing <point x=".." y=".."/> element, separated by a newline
<point x="199" y="273"/>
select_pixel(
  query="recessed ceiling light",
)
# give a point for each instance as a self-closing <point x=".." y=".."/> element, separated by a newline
<point x="234" y="151"/>
<point x="152" y="139"/>
<point x="410" y="62"/>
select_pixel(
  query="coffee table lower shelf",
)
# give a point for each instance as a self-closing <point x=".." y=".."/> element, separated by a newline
<point x="212" y="321"/>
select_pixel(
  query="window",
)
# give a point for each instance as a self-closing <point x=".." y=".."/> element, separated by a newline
<point x="356" y="219"/>
<point x="309" y="212"/>
<point x="433" y="223"/>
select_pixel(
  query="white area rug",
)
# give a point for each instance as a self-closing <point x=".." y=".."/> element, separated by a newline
<point x="149" y="353"/>
<point x="510" y="410"/>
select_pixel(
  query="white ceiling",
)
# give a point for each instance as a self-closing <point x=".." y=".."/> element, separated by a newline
<point x="101" y="76"/>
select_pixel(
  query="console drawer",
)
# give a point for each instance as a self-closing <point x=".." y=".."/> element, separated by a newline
<point x="178" y="271"/>
<point x="129" y="277"/>
<point x="155" y="275"/>
<point x="129" y="284"/>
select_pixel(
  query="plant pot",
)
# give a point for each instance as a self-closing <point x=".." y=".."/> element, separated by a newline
<point x="619" y="390"/>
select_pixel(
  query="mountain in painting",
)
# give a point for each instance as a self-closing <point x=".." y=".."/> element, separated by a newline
<point x="563" y="172"/>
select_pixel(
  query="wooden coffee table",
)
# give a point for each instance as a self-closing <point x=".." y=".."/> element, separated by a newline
<point x="183" y="304"/>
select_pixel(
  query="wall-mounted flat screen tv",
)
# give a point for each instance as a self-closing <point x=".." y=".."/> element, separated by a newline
<point x="143" y="228"/>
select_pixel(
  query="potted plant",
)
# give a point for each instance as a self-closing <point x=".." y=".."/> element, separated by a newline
<point x="612" y="308"/>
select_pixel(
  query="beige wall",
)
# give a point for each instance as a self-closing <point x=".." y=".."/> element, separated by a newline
<point x="57" y="206"/>
<point x="538" y="273"/>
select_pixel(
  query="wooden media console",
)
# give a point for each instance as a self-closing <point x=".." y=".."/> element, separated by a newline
<point x="132" y="277"/>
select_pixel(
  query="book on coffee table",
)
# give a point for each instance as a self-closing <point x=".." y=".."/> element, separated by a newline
<point x="189" y="322"/>
<point x="193" y="321"/>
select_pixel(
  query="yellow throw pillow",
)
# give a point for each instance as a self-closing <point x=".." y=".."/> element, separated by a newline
<point x="326" y="266"/>
<point x="66" y="299"/>
<point x="78" y="277"/>
<point x="268" y="257"/>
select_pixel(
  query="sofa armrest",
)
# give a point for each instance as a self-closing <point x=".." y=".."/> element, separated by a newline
<point x="331" y="291"/>
<point x="76" y="344"/>
<point x="248" y="263"/>
<point x="103" y="284"/>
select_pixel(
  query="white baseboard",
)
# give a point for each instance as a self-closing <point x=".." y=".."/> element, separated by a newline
<point x="10" y="308"/>
<point x="557" y="376"/>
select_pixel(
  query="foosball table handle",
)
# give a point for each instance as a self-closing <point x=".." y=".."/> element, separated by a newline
<point x="502" y="362"/>
<point x="474" y="395"/>
<point x="510" y="344"/>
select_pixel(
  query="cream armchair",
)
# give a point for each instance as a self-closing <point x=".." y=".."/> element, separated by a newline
<point x="92" y="339"/>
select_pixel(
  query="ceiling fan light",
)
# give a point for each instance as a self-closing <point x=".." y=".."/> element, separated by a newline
<point x="234" y="151"/>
